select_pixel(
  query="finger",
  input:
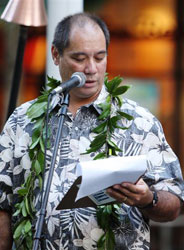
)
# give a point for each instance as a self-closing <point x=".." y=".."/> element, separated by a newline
<point x="133" y="197"/>
<point x="126" y="189"/>
<point x="120" y="197"/>
<point x="139" y="188"/>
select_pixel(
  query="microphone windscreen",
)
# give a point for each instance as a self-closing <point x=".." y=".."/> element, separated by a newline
<point x="82" y="78"/>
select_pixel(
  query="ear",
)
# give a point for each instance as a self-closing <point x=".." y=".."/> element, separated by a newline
<point x="55" y="55"/>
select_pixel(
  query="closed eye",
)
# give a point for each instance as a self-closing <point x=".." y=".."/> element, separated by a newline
<point x="79" y="59"/>
<point x="99" y="58"/>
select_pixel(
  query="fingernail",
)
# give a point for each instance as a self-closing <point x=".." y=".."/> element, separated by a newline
<point x="116" y="187"/>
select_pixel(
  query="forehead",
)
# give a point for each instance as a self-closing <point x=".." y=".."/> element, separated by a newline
<point x="88" y="37"/>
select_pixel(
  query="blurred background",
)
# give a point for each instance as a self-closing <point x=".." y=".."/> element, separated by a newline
<point x="146" y="49"/>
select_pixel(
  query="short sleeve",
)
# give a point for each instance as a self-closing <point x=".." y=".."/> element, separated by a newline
<point x="164" y="169"/>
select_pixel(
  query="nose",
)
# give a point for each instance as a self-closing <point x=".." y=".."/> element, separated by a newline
<point x="90" y="67"/>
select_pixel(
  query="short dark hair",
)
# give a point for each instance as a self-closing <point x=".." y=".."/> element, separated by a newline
<point x="62" y="31"/>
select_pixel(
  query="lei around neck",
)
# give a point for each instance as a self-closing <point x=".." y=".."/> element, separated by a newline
<point x="107" y="215"/>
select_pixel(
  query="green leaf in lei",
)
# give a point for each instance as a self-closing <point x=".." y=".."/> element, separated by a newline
<point x="22" y="232"/>
<point x="107" y="215"/>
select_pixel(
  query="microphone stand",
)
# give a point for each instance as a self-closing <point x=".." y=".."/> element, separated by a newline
<point x="39" y="224"/>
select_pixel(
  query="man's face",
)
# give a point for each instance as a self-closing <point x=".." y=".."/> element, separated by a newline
<point x="86" y="53"/>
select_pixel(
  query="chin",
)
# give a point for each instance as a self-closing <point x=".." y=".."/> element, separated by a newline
<point x="86" y="93"/>
<point x="90" y="92"/>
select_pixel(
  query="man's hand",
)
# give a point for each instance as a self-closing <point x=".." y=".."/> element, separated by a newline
<point x="139" y="194"/>
<point x="5" y="231"/>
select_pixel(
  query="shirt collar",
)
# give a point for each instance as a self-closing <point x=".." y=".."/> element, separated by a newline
<point x="100" y="99"/>
<point x="58" y="98"/>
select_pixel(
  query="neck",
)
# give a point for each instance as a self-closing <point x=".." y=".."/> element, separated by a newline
<point x="76" y="103"/>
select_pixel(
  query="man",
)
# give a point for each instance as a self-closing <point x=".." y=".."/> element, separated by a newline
<point x="80" y="45"/>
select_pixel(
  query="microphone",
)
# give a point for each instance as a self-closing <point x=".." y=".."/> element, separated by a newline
<point x="77" y="79"/>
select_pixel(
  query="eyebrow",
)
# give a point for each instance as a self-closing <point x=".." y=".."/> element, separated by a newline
<point x="84" y="54"/>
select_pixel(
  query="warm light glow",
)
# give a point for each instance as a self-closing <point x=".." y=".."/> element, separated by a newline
<point x="153" y="21"/>
<point x="141" y="18"/>
<point x="35" y="55"/>
<point x="141" y="57"/>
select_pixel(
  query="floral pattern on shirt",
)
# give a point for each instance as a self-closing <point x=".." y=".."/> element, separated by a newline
<point x="77" y="228"/>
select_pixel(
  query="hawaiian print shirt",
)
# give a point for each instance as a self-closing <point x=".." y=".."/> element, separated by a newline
<point x="77" y="228"/>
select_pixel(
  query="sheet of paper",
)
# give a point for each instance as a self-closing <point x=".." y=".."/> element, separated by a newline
<point x="100" y="174"/>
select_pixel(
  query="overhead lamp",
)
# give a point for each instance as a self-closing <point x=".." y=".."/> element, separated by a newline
<point x="26" y="13"/>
